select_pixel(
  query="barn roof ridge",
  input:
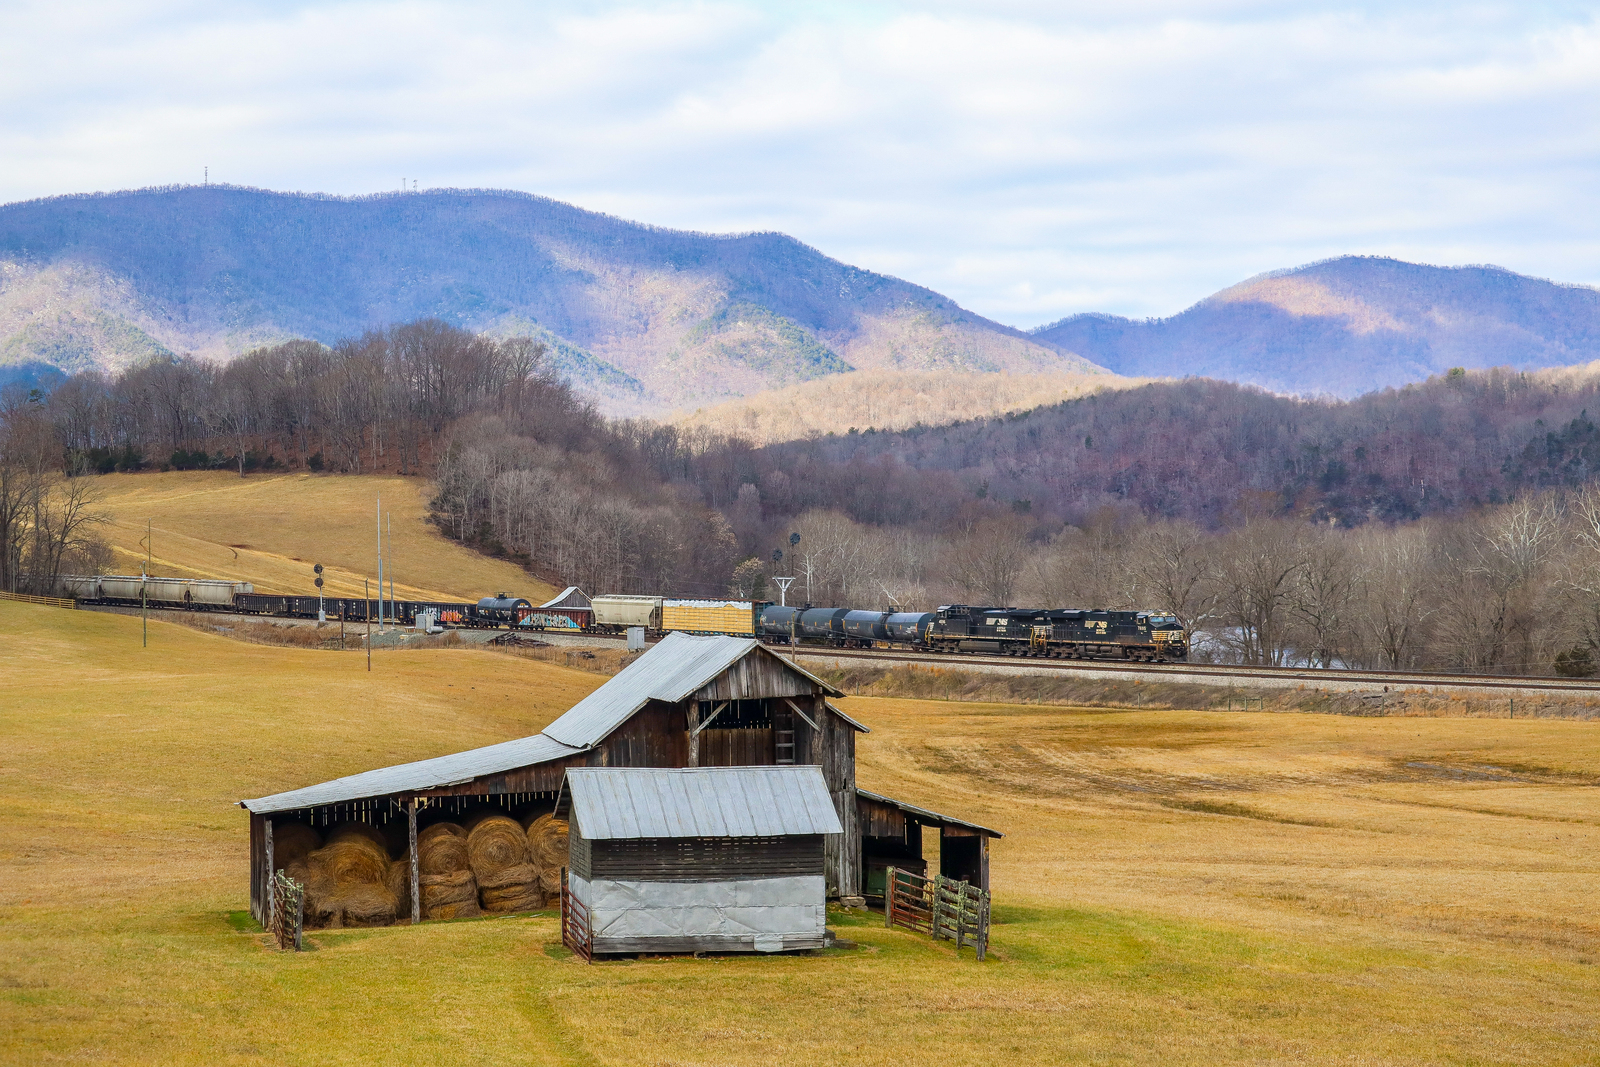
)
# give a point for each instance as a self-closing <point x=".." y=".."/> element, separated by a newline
<point x="676" y="666"/>
<point x="624" y="803"/>
<point x="670" y="671"/>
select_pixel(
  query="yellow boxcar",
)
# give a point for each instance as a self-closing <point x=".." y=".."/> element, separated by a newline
<point x="736" y="617"/>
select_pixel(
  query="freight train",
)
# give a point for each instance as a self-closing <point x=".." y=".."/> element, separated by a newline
<point x="1056" y="633"/>
<point x="198" y="594"/>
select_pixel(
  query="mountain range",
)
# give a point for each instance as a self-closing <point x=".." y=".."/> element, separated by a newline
<point x="647" y="320"/>
<point x="640" y="317"/>
<point x="1350" y="325"/>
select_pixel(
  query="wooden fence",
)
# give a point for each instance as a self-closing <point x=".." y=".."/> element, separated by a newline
<point x="576" y="931"/>
<point x="44" y="601"/>
<point x="942" y="908"/>
<point x="286" y="921"/>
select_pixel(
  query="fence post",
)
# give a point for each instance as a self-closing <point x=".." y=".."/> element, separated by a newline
<point x="888" y="899"/>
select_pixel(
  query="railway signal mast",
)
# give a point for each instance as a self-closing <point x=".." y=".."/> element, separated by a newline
<point x="322" y="615"/>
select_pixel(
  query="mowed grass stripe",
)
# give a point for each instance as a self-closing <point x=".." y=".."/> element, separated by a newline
<point x="1128" y="931"/>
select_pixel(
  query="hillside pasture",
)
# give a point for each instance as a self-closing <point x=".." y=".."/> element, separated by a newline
<point x="1174" y="887"/>
<point x="269" y="529"/>
<point x="892" y="400"/>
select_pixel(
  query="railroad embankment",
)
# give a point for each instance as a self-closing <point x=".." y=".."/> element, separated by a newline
<point x="1075" y="690"/>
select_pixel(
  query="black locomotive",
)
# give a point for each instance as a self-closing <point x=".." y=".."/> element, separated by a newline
<point x="1057" y="633"/>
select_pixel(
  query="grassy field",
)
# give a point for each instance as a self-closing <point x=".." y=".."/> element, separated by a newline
<point x="270" y="528"/>
<point x="1175" y="887"/>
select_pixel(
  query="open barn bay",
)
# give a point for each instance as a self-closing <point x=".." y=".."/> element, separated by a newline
<point x="1175" y="887"/>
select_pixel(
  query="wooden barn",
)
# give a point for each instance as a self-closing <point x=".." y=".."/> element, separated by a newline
<point x="696" y="859"/>
<point x="687" y="702"/>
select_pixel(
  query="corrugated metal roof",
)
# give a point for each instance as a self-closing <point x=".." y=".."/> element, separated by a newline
<point x="632" y="802"/>
<point x="424" y="774"/>
<point x="578" y="599"/>
<point x="675" y="667"/>
<point x="926" y="817"/>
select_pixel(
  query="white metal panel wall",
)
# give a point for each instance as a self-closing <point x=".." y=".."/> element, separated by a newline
<point x="767" y="909"/>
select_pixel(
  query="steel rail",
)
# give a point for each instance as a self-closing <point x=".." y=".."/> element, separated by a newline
<point x="1325" y="675"/>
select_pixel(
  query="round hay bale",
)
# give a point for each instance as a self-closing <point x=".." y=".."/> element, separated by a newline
<point x="318" y="910"/>
<point x="366" y="905"/>
<point x="441" y="889"/>
<point x="547" y="843"/>
<point x="476" y="818"/>
<point x="518" y="896"/>
<point x="497" y="849"/>
<point x="467" y="909"/>
<point x="442" y="849"/>
<point x="495" y="844"/>
<point x="354" y="831"/>
<point x="399" y="883"/>
<point x="292" y="841"/>
<point x="435" y="829"/>
<point x="354" y="861"/>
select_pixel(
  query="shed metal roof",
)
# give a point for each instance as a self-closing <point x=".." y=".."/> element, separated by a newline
<point x="570" y="597"/>
<point x="612" y="803"/>
<point x="424" y="774"/>
<point x="926" y="817"/>
<point x="674" y="668"/>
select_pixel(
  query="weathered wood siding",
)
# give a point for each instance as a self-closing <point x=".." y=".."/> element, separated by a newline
<point x="835" y="751"/>
<point x="657" y="736"/>
<point x="580" y="852"/>
<point x="760" y="674"/>
<point x="259" y="885"/>
<point x="736" y="748"/>
<point x="706" y="859"/>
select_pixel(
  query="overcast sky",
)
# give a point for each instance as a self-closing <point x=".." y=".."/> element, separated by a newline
<point x="1032" y="160"/>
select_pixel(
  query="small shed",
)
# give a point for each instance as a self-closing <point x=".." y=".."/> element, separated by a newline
<point x="696" y="859"/>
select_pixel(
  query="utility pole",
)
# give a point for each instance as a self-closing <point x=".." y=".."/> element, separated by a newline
<point x="144" y="578"/>
<point x="388" y="521"/>
<point x="367" y="583"/>
<point x="380" y="569"/>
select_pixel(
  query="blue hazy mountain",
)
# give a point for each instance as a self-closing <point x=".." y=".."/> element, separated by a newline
<point x="1349" y="325"/>
<point x="642" y="317"/>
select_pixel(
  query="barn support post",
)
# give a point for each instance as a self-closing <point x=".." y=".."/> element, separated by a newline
<point x="692" y="715"/>
<point x="983" y="870"/>
<point x="411" y="836"/>
<point x="270" y="901"/>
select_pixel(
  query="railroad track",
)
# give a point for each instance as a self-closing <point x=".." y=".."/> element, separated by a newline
<point x="1214" y="673"/>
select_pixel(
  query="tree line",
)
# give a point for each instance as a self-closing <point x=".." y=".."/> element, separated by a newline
<point x="1451" y="524"/>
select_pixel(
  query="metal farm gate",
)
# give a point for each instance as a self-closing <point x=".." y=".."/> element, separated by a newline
<point x="942" y="908"/>
<point x="577" y="932"/>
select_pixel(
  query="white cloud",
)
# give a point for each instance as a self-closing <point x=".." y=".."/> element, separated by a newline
<point x="1029" y="159"/>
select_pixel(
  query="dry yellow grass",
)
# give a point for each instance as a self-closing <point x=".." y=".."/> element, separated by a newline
<point x="269" y="529"/>
<point x="891" y="400"/>
<point x="1175" y="887"/>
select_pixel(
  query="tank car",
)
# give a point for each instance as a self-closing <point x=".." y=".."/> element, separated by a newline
<point x="502" y="609"/>
<point x="866" y="627"/>
<point x="823" y="624"/>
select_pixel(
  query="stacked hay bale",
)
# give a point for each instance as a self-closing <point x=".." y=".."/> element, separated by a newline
<point x="497" y="849"/>
<point x="292" y="841"/>
<point x="444" y="875"/>
<point x="346" y="879"/>
<point x="547" y="850"/>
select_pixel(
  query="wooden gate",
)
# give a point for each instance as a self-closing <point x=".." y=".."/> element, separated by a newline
<point x="943" y="908"/>
<point x="576" y="931"/>
<point x="287" y="919"/>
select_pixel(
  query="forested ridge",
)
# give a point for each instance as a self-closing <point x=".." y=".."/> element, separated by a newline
<point x="1450" y="523"/>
